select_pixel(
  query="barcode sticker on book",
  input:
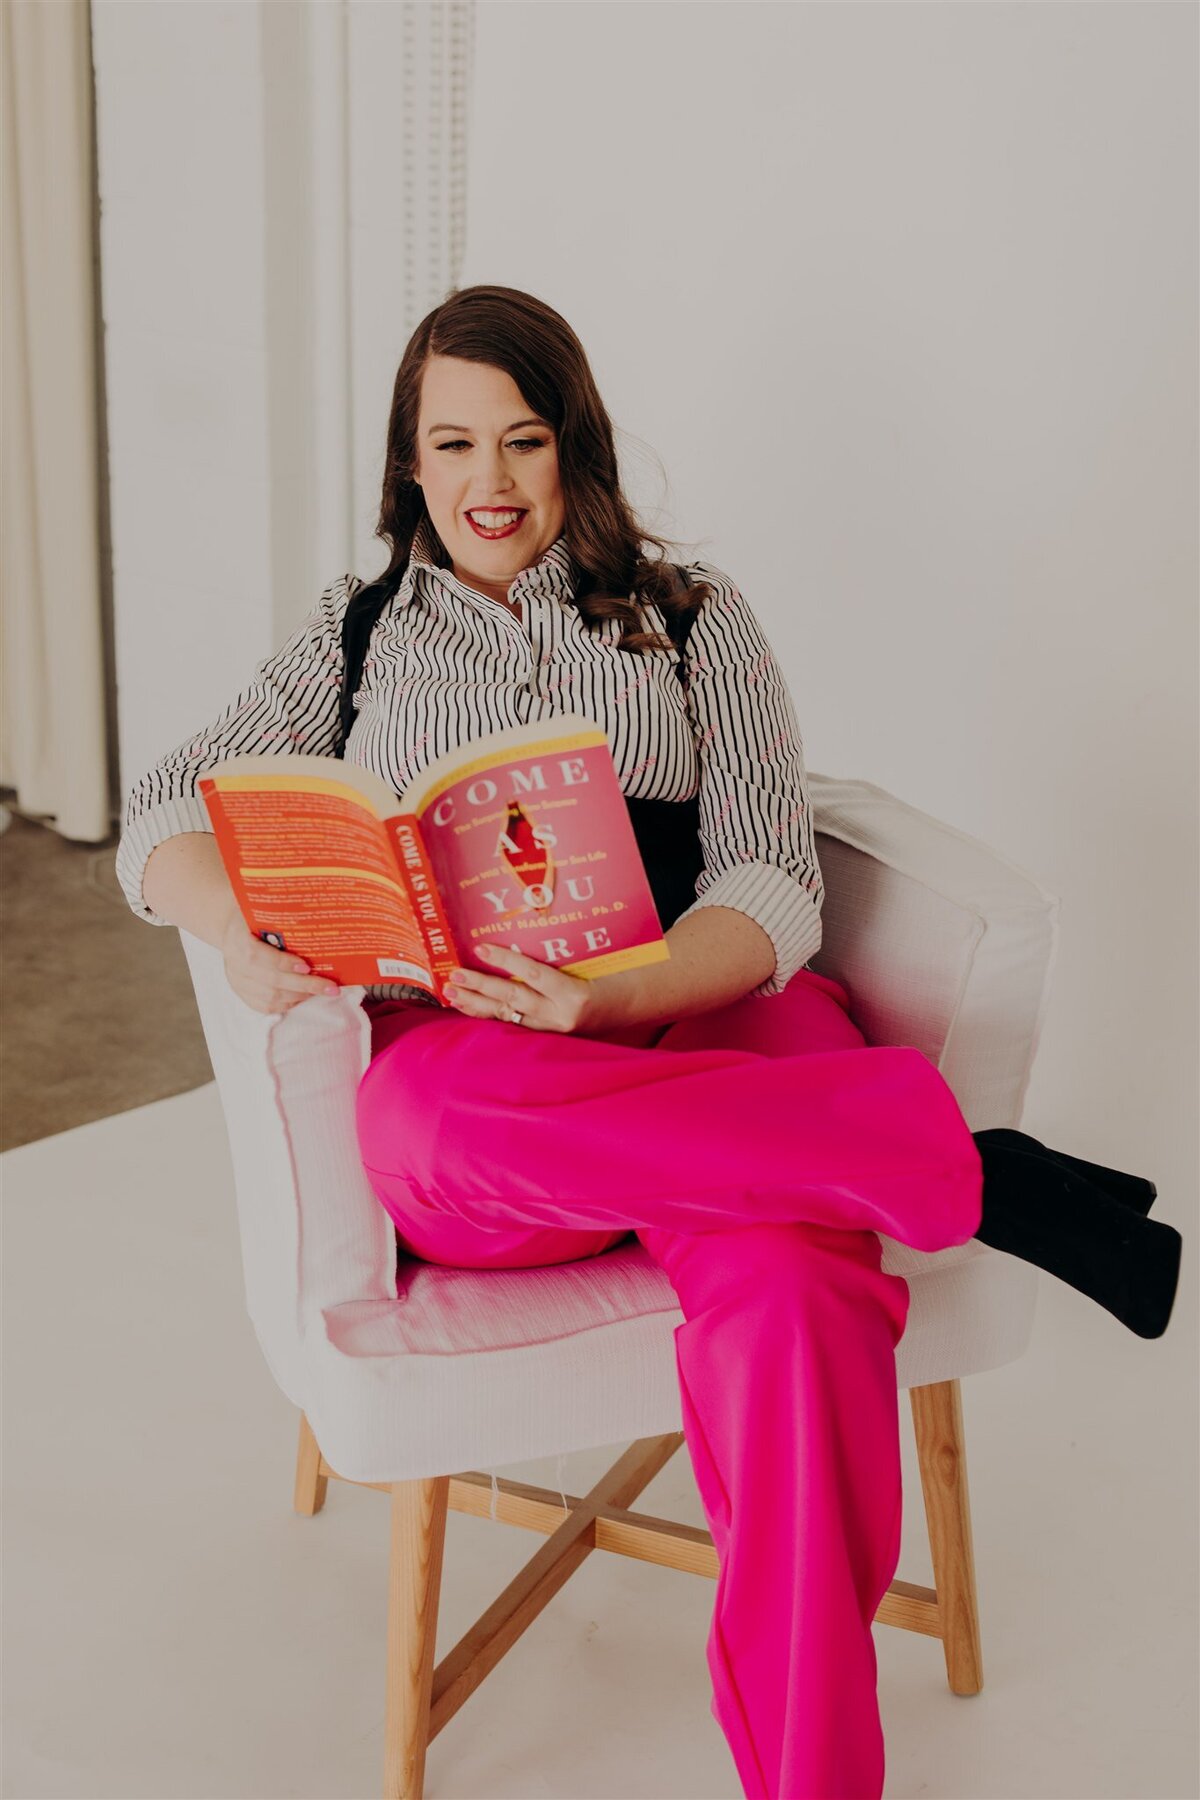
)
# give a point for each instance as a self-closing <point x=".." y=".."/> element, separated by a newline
<point x="402" y="971"/>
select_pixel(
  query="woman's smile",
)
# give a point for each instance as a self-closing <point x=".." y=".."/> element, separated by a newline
<point x="489" y="522"/>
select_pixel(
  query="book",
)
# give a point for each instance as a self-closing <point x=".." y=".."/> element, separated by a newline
<point x="520" y="837"/>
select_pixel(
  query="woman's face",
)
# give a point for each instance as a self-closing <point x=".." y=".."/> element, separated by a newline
<point x="479" y="449"/>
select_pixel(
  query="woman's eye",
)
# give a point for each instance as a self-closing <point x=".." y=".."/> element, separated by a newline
<point x="529" y="443"/>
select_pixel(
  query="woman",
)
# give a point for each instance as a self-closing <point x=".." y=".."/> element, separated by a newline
<point x="722" y="1105"/>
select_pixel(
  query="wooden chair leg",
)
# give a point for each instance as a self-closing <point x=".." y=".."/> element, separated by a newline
<point x="414" y="1590"/>
<point x="310" y="1483"/>
<point x="941" y="1450"/>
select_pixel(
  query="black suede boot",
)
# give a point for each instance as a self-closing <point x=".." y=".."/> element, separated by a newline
<point x="1049" y="1215"/>
<point x="1130" y="1190"/>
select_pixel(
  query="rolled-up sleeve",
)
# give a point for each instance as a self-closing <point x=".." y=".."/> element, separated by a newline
<point x="291" y="704"/>
<point x="756" y="826"/>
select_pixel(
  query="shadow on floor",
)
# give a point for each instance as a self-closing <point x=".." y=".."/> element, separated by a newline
<point x="97" y="1005"/>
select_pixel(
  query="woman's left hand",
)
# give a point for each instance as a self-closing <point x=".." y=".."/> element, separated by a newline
<point x="548" y="999"/>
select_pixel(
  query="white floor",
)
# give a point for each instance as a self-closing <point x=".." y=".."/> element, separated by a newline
<point x="173" y="1630"/>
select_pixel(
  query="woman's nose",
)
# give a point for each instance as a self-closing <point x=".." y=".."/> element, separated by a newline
<point x="492" y="475"/>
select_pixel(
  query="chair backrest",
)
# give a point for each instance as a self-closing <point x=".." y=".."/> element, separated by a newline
<point x="940" y="942"/>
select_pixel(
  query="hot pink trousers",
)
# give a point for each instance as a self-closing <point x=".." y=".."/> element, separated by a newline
<point x="756" y="1150"/>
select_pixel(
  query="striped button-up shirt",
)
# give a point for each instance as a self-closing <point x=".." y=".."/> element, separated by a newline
<point x="447" y="664"/>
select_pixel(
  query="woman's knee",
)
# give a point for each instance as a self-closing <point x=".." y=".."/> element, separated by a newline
<point x="817" y="1010"/>
<point x="810" y="1015"/>
<point x="396" y="1102"/>
<point x="435" y="1074"/>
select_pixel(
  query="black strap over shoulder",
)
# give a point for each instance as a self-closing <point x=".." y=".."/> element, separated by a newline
<point x="668" y="831"/>
<point x="362" y="615"/>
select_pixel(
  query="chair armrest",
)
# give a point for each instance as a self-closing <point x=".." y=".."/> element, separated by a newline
<point x="940" y="941"/>
<point x="313" y="1233"/>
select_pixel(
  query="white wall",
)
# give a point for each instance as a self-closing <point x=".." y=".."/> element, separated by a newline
<point x="904" y="299"/>
<point x="222" y="175"/>
<point x="894" y="307"/>
<point x="179" y="112"/>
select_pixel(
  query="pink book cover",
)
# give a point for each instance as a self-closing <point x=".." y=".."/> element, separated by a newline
<point x="528" y="842"/>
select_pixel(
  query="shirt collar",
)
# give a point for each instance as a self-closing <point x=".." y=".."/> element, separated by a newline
<point x="551" y="574"/>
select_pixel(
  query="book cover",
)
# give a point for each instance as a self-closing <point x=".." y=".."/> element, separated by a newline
<point x="521" y="837"/>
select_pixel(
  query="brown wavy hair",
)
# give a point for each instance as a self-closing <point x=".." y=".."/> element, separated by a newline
<point x="516" y="332"/>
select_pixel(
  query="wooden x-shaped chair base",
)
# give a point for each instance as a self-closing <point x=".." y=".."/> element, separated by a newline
<point x="421" y="1699"/>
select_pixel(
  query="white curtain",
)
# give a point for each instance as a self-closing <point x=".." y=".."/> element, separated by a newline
<point x="53" y="727"/>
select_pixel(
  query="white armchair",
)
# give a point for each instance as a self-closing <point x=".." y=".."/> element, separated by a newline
<point x="412" y="1378"/>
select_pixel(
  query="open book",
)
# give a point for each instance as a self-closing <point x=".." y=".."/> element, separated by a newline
<point x="521" y="837"/>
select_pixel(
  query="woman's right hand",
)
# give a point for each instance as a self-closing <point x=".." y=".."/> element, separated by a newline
<point x="268" y="979"/>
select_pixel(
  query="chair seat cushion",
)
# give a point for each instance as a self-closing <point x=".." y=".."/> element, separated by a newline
<point x="472" y="1367"/>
